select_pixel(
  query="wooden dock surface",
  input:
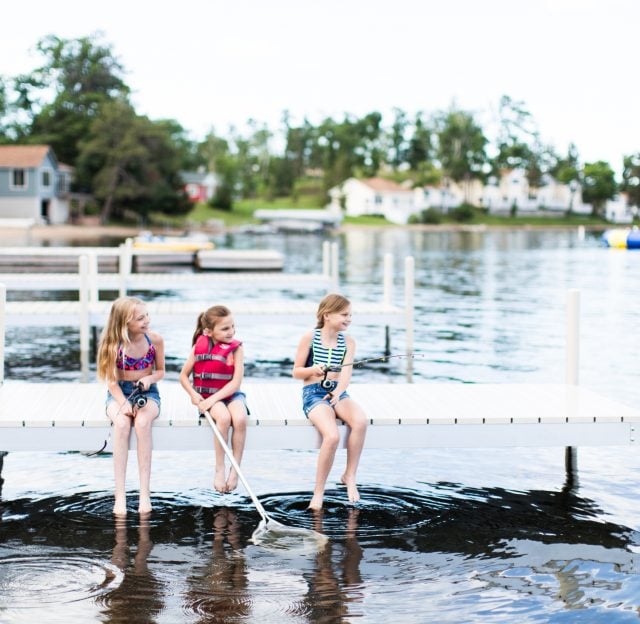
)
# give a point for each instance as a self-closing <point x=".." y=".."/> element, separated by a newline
<point x="70" y="416"/>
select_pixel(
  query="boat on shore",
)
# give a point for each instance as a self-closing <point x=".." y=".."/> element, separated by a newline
<point x="188" y="243"/>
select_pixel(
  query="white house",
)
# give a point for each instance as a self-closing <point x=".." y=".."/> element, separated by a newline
<point x="448" y="195"/>
<point x="373" y="196"/>
<point x="33" y="185"/>
<point x="512" y="191"/>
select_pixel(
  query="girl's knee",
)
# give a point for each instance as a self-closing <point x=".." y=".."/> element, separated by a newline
<point x="331" y="439"/>
<point x="121" y="427"/>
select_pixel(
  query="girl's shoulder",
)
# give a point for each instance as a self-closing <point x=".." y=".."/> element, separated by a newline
<point x="307" y="337"/>
<point x="155" y="338"/>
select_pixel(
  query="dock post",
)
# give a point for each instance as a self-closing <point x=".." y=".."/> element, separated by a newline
<point x="94" y="293"/>
<point x="326" y="260"/>
<point x="3" y="307"/>
<point x="126" y="261"/>
<point x="571" y="364"/>
<point x="83" y="262"/>
<point x="335" y="269"/>
<point x="387" y="296"/>
<point x="409" y="284"/>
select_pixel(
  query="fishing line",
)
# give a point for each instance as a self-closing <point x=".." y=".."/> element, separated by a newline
<point x="138" y="402"/>
<point x="327" y="384"/>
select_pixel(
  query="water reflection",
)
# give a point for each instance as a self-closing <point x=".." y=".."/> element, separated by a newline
<point x="218" y="587"/>
<point x="139" y="597"/>
<point x="335" y="581"/>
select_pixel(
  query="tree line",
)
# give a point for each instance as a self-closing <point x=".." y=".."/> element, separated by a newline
<point x="78" y="102"/>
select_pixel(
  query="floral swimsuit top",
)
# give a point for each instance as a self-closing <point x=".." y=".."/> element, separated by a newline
<point x="128" y="363"/>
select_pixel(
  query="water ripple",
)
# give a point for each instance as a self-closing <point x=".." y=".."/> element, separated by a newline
<point x="55" y="578"/>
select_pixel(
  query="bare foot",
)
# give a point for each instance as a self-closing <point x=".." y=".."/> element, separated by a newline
<point x="144" y="506"/>
<point x="232" y="481"/>
<point x="219" y="482"/>
<point x="120" y="508"/>
<point x="352" y="489"/>
<point x="316" y="502"/>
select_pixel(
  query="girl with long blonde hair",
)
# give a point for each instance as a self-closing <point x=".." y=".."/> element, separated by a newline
<point x="131" y="361"/>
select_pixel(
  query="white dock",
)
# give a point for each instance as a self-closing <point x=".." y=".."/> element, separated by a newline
<point x="70" y="417"/>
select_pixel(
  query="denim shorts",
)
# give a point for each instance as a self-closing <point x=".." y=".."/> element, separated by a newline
<point x="236" y="396"/>
<point x="128" y="388"/>
<point x="314" y="394"/>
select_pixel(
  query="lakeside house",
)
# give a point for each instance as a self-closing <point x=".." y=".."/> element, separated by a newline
<point x="508" y="194"/>
<point x="373" y="196"/>
<point x="34" y="186"/>
<point x="200" y="186"/>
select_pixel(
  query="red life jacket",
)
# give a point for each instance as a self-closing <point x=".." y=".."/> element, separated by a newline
<point x="214" y="365"/>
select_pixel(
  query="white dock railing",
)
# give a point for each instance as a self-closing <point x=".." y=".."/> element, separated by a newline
<point x="89" y="312"/>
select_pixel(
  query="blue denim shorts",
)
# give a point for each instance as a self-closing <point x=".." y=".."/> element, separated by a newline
<point x="236" y="396"/>
<point x="128" y="388"/>
<point x="313" y="394"/>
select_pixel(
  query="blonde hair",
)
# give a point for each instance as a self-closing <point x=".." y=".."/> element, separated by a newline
<point x="209" y="319"/>
<point x="330" y="304"/>
<point x="114" y="334"/>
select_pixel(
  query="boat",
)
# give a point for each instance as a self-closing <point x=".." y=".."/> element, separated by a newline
<point x="622" y="238"/>
<point x="187" y="243"/>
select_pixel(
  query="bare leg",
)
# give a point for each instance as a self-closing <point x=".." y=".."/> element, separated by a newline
<point x="238" y="436"/>
<point x="351" y="413"/>
<point x="142" y="423"/>
<point x="222" y="417"/>
<point x="120" y="435"/>
<point x="324" y="419"/>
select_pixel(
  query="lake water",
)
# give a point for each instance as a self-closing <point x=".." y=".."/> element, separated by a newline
<point x="445" y="535"/>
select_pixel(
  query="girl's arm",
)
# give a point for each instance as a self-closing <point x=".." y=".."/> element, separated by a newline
<point x="185" y="382"/>
<point x="300" y="368"/>
<point x="232" y="386"/>
<point x="344" y="378"/>
<point x="124" y="407"/>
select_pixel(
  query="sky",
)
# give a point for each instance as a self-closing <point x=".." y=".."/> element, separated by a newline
<point x="212" y="63"/>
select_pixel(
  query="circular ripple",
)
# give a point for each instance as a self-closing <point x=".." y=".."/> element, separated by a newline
<point x="380" y="512"/>
<point x="54" y="579"/>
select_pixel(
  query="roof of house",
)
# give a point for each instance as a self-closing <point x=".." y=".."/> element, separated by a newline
<point x="382" y="185"/>
<point x="23" y="155"/>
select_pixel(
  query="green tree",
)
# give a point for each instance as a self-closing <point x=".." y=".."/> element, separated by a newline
<point x="631" y="178"/>
<point x="598" y="185"/>
<point x="397" y="139"/>
<point x="130" y="163"/>
<point x="461" y="147"/>
<point x="566" y="169"/>
<point x="82" y="74"/>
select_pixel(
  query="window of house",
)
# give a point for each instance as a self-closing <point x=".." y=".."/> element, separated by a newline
<point x="46" y="179"/>
<point x="378" y="199"/>
<point x="18" y="178"/>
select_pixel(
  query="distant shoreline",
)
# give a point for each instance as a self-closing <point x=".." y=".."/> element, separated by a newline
<point x="79" y="232"/>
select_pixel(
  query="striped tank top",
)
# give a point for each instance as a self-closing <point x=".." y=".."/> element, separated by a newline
<point x="326" y="356"/>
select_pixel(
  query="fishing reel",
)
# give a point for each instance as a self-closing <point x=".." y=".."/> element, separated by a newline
<point x="137" y="398"/>
<point x="329" y="384"/>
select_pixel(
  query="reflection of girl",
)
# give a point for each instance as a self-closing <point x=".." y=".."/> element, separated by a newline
<point x="130" y="356"/>
<point x="138" y="597"/>
<point x="218" y="590"/>
<point x="328" y="346"/>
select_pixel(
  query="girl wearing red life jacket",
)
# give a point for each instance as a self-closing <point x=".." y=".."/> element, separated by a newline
<point x="216" y="366"/>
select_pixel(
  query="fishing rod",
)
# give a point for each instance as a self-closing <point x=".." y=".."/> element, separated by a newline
<point x="137" y="401"/>
<point x="336" y="368"/>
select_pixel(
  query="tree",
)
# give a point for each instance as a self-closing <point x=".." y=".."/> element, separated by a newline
<point x="461" y="146"/>
<point x="631" y="178"/>
<point x="599" y="184"/>
<point x="397" y="139"/>
<point x="82" y="74"/>
<point x="567" y="169"/>
<point x="130" y="163"/>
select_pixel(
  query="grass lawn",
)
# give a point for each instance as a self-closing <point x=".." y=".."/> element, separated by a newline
<point x="243" y="210"/>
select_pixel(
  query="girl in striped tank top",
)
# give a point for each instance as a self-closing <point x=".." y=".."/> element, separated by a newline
<point x="328" y="346"/>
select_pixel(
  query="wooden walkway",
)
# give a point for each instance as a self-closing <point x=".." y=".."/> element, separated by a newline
<point x="70" y="416"/>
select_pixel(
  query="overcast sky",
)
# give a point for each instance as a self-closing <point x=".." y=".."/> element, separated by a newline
<point x="208" y="63"/>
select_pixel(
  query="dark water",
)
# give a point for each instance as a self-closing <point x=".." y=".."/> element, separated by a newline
<point x="440" y="535"/>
